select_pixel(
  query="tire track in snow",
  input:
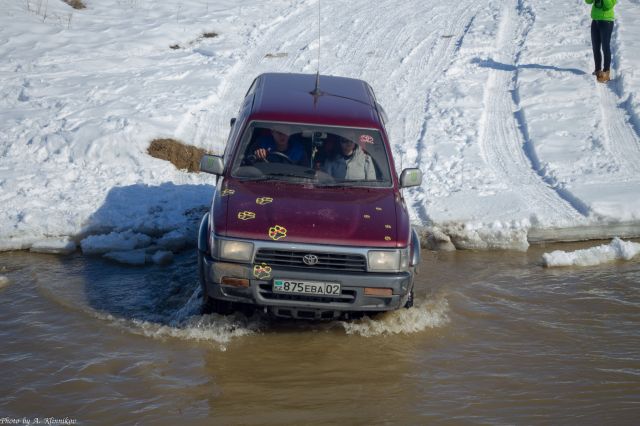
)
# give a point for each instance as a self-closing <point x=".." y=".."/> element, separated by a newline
<point x="392" y="47"/>
<point x="208" y="122"/>
<point x="503" y="129"/>
<point x="621" y="140"/>
<point x="621" y="134"/>
<point x="408" y="68"/>
<point x="441" y="59"/>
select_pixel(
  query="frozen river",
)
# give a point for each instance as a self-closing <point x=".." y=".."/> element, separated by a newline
<point x="495" y="338"/>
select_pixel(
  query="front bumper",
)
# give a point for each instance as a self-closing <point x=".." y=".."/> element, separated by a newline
<point x="260" y="293"/>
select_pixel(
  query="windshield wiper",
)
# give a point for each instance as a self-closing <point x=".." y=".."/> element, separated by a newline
<point x="302" y="175"/>
<point x="256" y="178"/>
<point x="354" y="182"/>
<point x="274" y="176"/>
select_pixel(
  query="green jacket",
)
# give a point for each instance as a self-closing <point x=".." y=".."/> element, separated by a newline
<point x="602" y="10"/>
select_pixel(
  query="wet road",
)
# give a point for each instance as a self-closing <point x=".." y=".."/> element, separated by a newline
<point x="494" y="338"/>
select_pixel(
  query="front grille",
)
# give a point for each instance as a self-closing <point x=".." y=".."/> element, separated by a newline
<point x="293" y="259"/>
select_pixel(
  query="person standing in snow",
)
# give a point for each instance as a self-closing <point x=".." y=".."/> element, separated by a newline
<point x="601" y="29"/>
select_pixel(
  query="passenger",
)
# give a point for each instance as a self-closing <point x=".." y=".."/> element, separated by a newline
<point x="351" y="163"/>
<point x="280" y="141"/>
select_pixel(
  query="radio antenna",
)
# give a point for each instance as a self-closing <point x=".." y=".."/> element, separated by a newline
<point x="316" y="90"/>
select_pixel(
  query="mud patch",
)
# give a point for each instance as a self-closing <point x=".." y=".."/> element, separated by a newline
<point x="184" y="157"/>
<point x="207" y="34"/>
<point x="76" y="4"/>
<point x="276" y="55"/>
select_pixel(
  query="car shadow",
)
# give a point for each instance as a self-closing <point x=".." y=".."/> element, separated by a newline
<point x="152" y="210"/>
<point x="150" y="292"/>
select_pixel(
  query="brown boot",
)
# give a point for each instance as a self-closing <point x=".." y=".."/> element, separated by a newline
<point x="603" y="76"/>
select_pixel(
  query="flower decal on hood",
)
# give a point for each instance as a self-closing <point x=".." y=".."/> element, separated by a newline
<point x="277" y="232"/>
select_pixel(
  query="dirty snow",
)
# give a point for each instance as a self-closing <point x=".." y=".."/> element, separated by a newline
<point x="493" y="100"/>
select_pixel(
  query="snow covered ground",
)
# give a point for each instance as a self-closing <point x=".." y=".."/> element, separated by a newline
<point x="493" y="100"/>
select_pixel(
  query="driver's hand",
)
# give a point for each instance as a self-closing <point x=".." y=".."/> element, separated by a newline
<point x="261" y="153"/>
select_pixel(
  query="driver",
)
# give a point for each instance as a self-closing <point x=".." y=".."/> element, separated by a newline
<point x="280" y="141"/>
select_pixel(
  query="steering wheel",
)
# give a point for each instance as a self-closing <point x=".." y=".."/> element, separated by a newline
<point x="278" y="157"/>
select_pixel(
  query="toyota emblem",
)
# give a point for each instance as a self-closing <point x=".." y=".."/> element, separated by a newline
<point x="310" y="259"/>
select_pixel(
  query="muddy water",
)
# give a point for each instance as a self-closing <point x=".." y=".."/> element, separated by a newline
<point x="494" y="339"/>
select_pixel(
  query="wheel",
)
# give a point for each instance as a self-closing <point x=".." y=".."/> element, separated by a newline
<point x="409" y="303"/>
<point x="208" y="304"/>
<point x="215" y="306"/>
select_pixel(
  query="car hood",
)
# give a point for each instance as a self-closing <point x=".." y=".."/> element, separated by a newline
<point x="276" y="211"/>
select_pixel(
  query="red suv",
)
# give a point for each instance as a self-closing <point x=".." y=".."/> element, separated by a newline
<point x="308" y="218"/>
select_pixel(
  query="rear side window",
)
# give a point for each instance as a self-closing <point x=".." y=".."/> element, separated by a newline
<point x="324" y="155"/>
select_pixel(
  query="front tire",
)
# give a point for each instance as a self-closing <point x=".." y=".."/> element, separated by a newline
<point x="216" y="306"/>
<point x="409" y="303"/>
<point x="210" y="305"/>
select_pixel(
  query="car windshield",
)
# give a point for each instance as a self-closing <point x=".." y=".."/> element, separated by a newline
<point x="323" y="155"/>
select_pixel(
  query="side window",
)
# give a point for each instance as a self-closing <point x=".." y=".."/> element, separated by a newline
<point x="232" y="140"/>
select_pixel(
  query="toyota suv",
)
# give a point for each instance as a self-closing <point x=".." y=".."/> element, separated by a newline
<point x="308" y="220"/>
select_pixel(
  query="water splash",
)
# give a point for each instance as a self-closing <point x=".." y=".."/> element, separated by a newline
<point x="427" y="314"/>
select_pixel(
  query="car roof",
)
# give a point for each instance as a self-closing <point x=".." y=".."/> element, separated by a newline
<point x="288" y="97"/>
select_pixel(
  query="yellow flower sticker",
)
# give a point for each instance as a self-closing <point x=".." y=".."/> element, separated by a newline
<point x="228" y="191"/>
<point x="387" y="226"/>
<point x="262" y="271"/>
<point x="277" y="232"/>
<point x="387" y="238"/>
<point x="366" y="216"/>
<point x="264" y="200"/>
<point x="379" y="209"/>
<point x="246" y="215"/>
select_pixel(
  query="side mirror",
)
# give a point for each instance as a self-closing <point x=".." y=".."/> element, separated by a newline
<point x="211" y="164"/>
<point x="410" y="177"/>
<point x="232" y="122"/>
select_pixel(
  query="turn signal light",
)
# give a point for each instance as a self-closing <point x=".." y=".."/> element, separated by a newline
<point x="235" y="282"/>
<point x="372" y="291"/>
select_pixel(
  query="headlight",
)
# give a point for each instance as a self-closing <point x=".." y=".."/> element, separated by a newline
<point x="236" y="250"/>
<point x="389" y="260"/>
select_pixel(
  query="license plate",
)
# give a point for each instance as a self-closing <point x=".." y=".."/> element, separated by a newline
<point x="306" y="287"/>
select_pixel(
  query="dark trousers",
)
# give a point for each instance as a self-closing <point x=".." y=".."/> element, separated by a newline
<point x="601" y="39"/>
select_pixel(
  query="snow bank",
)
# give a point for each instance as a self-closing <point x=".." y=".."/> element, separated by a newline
<point x="132" y="248"/>
<point x="476" y="236"/>
<point x="113" y="242"/>
<point x="4" y="281"/>
<point x="54" y="246"/>
<point x="616" y="250"/>
<point x="493" y="101"/>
